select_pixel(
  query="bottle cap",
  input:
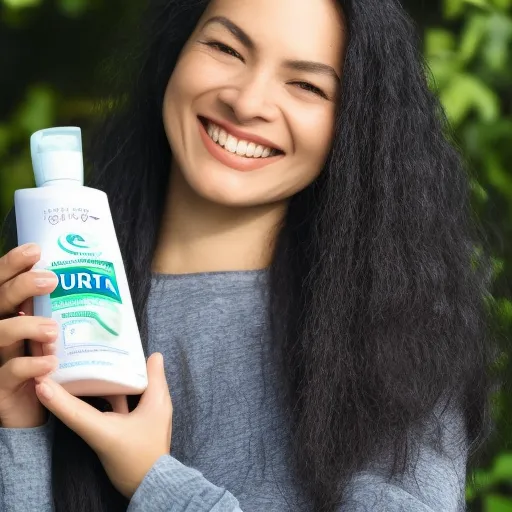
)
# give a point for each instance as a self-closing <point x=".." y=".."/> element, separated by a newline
<point x="57" y="156"/>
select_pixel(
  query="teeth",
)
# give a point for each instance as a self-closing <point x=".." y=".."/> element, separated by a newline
<point x="223" y="137"/>
<point x="240" y="147"/>
<point x="231" y="144"/>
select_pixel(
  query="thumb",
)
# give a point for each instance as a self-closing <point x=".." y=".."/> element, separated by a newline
<point x="158" y="389"/>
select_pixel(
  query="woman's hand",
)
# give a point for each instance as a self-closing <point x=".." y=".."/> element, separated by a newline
<point x="127" y="443"/>
<point x="19" y="406"/>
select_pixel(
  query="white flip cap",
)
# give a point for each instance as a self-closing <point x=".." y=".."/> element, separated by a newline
<point x="57" y="156"/>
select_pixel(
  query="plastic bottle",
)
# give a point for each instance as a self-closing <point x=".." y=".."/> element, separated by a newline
<point x="99" y="348"/>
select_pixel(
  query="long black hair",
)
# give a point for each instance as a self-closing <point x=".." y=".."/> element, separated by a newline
<point x="378" y="283"/>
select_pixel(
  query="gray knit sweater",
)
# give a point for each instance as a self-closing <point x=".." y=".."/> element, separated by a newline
<point x="231" y="448"/>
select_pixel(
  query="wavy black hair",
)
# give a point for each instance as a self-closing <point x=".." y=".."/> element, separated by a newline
<point x="378" y="283"/>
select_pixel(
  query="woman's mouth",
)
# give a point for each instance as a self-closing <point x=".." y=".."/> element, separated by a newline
<point x="235" y="145"/>
<point x="235" y="152"/>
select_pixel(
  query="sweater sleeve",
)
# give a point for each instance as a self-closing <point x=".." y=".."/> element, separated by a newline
<point x="171" y="486"/>
<point x="25" y="468"/>
<point x="434" y="480"/>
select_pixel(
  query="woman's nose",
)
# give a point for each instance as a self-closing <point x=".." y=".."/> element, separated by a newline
<point x="250" y="99"/>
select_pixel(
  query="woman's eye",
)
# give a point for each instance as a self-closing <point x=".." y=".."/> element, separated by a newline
<point x="224" y="48"/>
<point x="306" y="86"/>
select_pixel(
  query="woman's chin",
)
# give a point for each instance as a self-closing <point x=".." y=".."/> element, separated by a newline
<point x="225" y="190"/>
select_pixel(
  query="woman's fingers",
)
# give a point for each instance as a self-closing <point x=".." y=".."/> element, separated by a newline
<point x="34" y="328"/>
<point x="16" y="371"/>
<point x="119" y="403"/>
<point x="29" y="284"/>
<point x="35" y="347"/>
<point x="13" y="332"/>
<point x="16" y="261"/>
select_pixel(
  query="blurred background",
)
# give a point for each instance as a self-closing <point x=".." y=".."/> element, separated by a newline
<point x="51" y="55"/>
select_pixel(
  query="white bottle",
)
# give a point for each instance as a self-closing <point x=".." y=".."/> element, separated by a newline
<point x="99" y="348"/>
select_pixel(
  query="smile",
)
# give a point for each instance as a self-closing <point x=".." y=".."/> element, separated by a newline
<point x="235" y="152"/>
<point x="234" y="145"/>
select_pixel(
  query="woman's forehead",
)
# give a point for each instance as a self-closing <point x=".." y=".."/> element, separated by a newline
<point x="305" y="29"/>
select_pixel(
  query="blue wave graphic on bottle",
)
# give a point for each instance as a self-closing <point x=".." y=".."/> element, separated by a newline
<point x="76" y="244"/>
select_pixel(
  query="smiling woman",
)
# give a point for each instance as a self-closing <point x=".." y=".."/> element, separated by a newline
<point x="258" y="82"/>
<point x="300" y="248"/>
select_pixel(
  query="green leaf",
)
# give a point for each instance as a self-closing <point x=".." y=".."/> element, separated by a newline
<point x="442" y="71"/>
<point x="38" y="110"/>
<point x="20" y="4"/>
<point x="485" y="4"/>
<point x="479" y="192"/>
<point x="453" y="8"/>
<point x="74" y="8"/>
<point x="496" y="51"/>
<point x="439" y="41"/>
<point x="502" y="470"/>
<point x="465" y="93"/>
<point x="471" y="494"/>
<point x="496" y="503"/>
<point x="505" y="311"/>
<point x="497" y="266"/>
<point x="472" y="36"/>
<point x="502" y="4"/>
<point x="441" y="57"/>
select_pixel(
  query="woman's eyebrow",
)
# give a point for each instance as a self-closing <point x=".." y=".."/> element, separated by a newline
<point x="298" y="65"/>
<point x="234" y="29"/>
<point x="312" y="67"/>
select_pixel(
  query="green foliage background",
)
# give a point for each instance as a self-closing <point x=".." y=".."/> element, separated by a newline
<point x="49" y="56"/>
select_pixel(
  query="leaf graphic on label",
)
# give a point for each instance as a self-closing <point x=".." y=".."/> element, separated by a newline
<point x="84" y="217"/>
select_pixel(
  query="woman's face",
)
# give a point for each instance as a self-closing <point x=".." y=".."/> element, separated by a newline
<point x="249" y="109"/>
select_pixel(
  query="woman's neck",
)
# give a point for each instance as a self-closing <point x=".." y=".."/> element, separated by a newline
<point x="200" y="236"/>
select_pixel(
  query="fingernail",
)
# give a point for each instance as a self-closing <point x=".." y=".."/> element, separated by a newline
<point x="49" y="328"/>
<point x="31" y="250"/>
<point x="43" y="272"/>
<point x="51" y="348"/>
<point x="41" y="282"/>
<point x="49" y="323"/>
<point x="44" y="390"/>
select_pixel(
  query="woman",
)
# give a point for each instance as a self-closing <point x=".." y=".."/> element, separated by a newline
<point x="298" y="238"/>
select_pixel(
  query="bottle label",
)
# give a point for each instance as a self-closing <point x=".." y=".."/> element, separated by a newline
<point x="88" y="303"/>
